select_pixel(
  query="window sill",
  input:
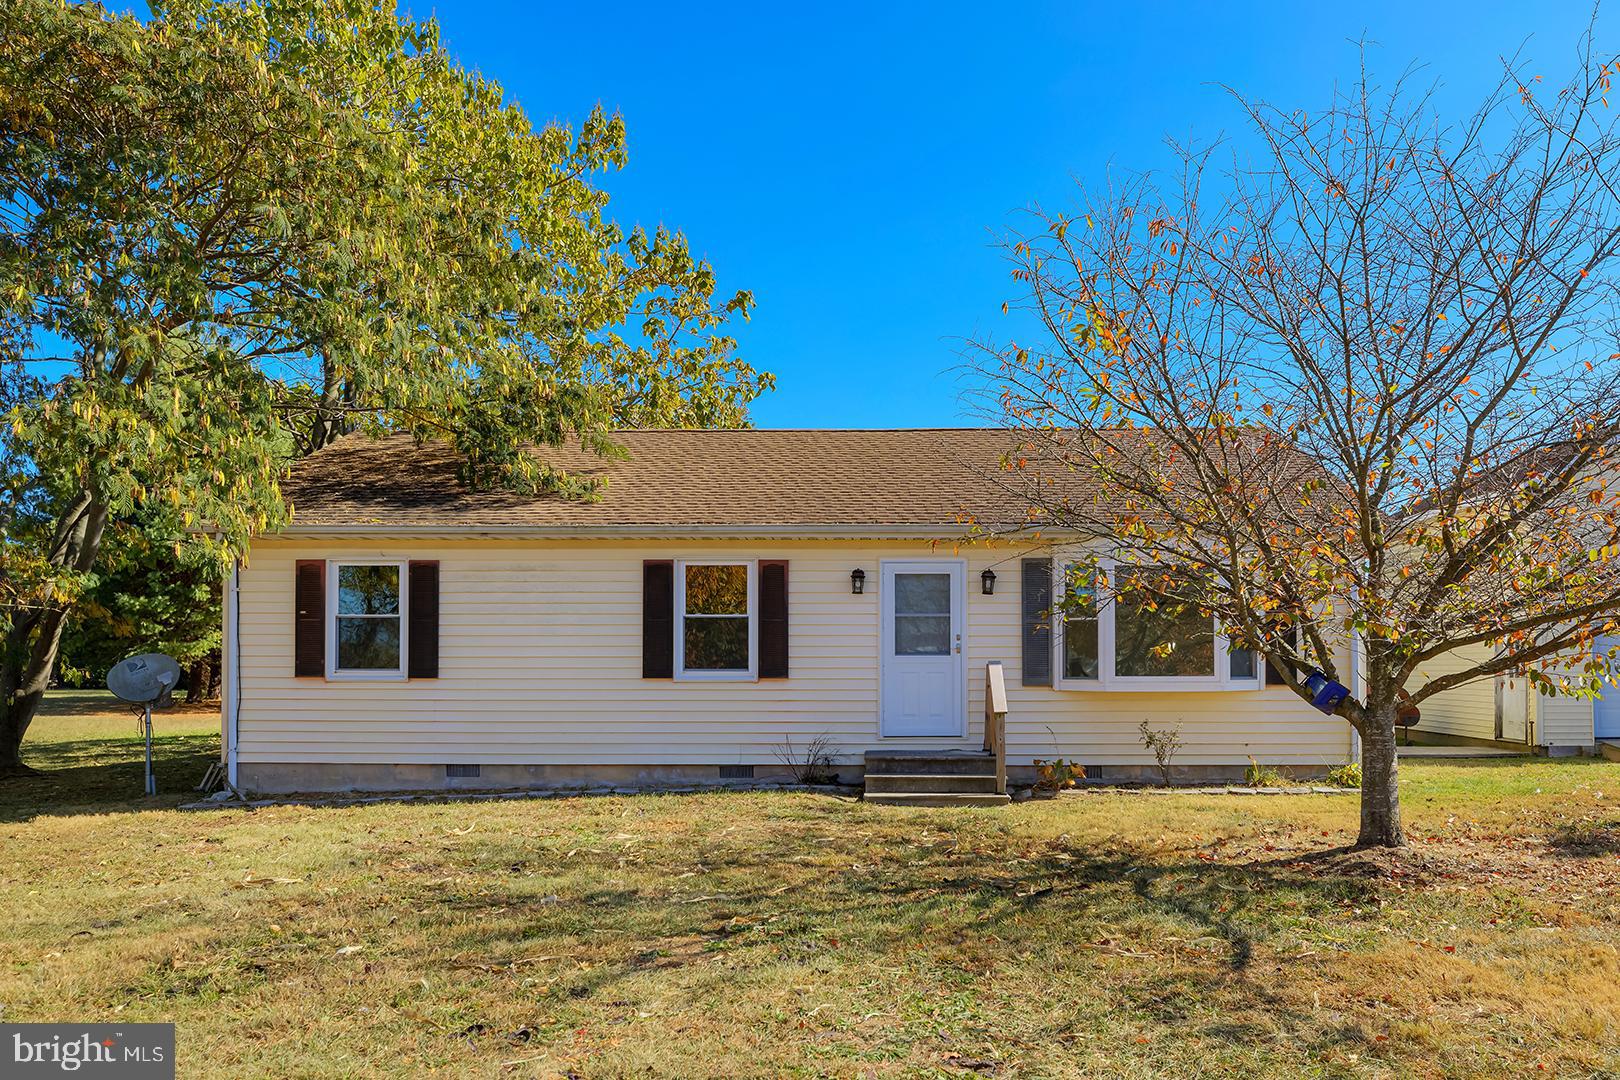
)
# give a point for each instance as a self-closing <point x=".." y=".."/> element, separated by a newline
<point x="366" y="676"/>
<point x="716" y="676"/>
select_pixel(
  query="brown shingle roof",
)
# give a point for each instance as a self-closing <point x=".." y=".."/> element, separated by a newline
<point x="679" y="478"/>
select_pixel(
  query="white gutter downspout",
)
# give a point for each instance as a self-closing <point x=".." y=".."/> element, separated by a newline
<point x="231" y="660"/>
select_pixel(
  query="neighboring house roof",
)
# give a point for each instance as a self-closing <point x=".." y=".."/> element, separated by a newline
<point x="806" y="482"/>
<point x="1509" y="477"/>
<point x="925" y="480"/>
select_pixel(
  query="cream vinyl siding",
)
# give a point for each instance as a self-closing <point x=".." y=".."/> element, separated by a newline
<point x="540" y="663"/>
<point x="1563" y="721"/>
<point x="1468" y="710"/>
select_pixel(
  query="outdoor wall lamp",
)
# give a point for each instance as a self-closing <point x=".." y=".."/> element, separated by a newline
<point x="987" y="582"/>
<point x="857" y="581"/>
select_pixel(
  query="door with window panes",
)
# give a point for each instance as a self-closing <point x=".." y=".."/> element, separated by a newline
<point x="923" y="678"/>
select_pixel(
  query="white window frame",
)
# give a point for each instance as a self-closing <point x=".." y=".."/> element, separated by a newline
<point x="366" y="674"/>
<point x="707" y="674"/>
<point x="1220" y="680"/>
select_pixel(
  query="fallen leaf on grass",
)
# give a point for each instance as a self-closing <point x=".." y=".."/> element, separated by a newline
<point x="1109" y="947"/>
<point x="249" y="881"/>
<point x="975" y="1064"/>
<point x="350" y="950"/>
<point x="420" y="1018"/>
<point x="465" y="964"/>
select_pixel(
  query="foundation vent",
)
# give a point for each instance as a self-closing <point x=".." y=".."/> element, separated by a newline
<point x="736" y="772"/>
<point x="462" y="770"/>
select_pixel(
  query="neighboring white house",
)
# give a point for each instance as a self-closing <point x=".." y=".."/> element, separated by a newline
<point x="729" y="592"/>
<point x="1507" y="711"/>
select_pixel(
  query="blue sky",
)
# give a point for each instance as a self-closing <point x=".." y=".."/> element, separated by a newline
<point x="851" y="164"/>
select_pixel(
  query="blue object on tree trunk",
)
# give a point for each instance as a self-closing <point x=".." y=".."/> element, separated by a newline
<point x="1325" y="693"/>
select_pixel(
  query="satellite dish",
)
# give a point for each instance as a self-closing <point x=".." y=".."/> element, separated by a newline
<point x="143" y="679"/>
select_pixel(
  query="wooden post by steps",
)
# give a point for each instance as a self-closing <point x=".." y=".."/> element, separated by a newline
<point x="995" y="720"/>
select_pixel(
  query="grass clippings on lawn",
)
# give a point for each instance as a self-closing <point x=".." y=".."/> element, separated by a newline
<point x="783" y="934"/>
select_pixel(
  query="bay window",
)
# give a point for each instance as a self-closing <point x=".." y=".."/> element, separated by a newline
<point x="1138" y="634"/>
<point x="1158" y="636"/>
<point x="1079" y="637"/>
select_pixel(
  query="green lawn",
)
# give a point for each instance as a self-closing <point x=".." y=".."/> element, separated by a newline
<point x="796" y="934"/>
<point x="90" y="743"/>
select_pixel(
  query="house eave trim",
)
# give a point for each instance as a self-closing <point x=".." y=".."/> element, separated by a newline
<point x="555" y="532"/>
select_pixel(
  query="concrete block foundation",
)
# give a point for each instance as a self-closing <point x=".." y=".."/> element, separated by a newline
<point x="288" y="778"/>
<point x="296" y="778"/>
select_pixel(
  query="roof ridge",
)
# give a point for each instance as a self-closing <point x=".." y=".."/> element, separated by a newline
<point x="971" y="429"/>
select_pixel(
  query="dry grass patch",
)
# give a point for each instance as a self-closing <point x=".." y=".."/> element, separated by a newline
<point x="786" y="934"/>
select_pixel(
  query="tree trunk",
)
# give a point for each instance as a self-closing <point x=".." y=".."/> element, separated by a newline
<point x="202" y="681"/>
<point x="11" y="736"/>
<point x="29" y="664"/>
<point x="34" y="680"/>
<point x="1380" y="789"/>
<point x="331" y="417"/>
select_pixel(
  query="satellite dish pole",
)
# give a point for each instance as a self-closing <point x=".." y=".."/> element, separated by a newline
<point x="141" y="680"/>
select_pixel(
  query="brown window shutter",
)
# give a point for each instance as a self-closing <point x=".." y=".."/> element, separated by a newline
<point x="773" y="620"/>
<point x="1037" y="622"/>
<point x="309" y="619"/>
<point x="423" y="601"/>
<point x="658" y="619"/>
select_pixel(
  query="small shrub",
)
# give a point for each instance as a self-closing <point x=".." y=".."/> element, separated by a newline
<point x="1162" y="743"/>
<point x="1258" y="775"/>
<point x="1345" y="776"/>
<point x="811" y="765"/>
<point x="1057" y="774"/>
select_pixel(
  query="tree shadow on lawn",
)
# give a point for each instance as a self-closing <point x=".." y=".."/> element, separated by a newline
<point x="96" y="704"/>
<point x="958" y="901"/>
<point x="101" y="776"/>
<point x="1586" y="839"/>
<point x="1172" y="937"/>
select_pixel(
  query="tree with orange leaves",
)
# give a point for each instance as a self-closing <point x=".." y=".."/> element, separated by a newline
<point x="1426" y="310"/>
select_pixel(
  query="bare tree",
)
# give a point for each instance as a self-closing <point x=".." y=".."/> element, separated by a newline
<point x="1364" y="383"/>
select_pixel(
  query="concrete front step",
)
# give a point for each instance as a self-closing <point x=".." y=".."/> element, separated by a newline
<point x="936" y="798"/>
<point x="935" y="762"/>
<point x="931" y="783"/>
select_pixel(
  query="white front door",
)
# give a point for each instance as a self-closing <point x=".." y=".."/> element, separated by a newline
<point x="1512" y="708"/>
<point x="923" y="684"/>
<point x="1606" y="709"/>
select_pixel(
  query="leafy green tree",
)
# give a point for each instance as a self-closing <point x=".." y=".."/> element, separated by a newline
<point x="233" y="230"/>
<point x="155" y="591"/>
